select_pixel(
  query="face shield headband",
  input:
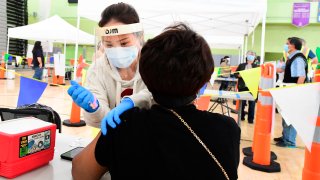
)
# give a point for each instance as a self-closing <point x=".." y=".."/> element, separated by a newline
<point x="119" y="43"/>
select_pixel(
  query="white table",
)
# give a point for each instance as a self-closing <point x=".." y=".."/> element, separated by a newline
<point x="57" y="169"/>
<point x="226" y="79"/>
<point x="231" y="95"/>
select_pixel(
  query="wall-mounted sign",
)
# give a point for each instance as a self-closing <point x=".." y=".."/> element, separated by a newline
<point x="301" y="14"/>
<point x="318" y="12"/>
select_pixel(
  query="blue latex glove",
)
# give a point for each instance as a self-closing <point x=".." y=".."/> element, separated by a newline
<point x="113" y="115"/>
<point x="83" y="97"/>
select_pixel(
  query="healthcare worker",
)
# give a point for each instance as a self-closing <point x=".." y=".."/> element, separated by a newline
<point x="250" y="57"/>
<point x="114" y="79"/>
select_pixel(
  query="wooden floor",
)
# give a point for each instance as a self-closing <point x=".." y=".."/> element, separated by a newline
<point x="291" y="160"/>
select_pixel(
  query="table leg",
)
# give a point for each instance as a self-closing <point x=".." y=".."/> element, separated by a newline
<point x="239" y="112"/>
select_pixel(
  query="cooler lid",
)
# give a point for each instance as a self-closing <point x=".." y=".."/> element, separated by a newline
<point x="20" y="125"/>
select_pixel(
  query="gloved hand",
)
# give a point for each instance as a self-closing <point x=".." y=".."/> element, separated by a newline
<point x="83" y="97"/>
<point x="113" y="115"/>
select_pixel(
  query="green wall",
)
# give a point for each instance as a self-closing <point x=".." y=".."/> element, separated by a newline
<point x="69" y="13"/>
<point x="278" y="27"/>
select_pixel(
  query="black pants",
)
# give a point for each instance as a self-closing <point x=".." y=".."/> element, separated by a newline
<point x="251" y="109"/>
<point x="224" y="85"/>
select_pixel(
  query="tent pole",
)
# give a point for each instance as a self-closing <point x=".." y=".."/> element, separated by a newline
<point x="263" y="33"/>
<point x="8" y="41"/>
<point x="76" y="46"/>
<point x="252" y="39"/>
<point x="6" y="63"/>
<point x="65" y="48"/>
<point x="242" y="53"/>
<point x="245" y="46"/>
<point x="239" y="53"/>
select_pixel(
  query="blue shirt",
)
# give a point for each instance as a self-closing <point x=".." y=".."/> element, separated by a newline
<point x="297" y="67"/>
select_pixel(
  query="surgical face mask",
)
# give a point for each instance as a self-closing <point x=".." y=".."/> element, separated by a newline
<point x="250" y="57"/>
<point x="122" y="57"/>
<point x="286" y="48"/>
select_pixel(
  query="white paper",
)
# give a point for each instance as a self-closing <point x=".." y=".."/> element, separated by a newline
<point x="273" y="103"/>
<point x="213" y="77"/>
<point x="59" y="64"/>
<point x="29" y="51"/>
<point x="299" y="106"/>
<point x="47" y="46"/>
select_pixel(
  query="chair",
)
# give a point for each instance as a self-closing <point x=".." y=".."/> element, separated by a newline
<point x="8" y="114"/>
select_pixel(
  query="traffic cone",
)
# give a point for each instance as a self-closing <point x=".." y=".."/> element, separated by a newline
<point x="57" y="80"/>
<point x="261" y="159"/>
<point x="2" y="70"/>
<point x="29" y="60"/>
<point x="311" y="169"/>
<point x="74" y="120"/>
<point x="248" y="151"/>
<point x="317" y="74"/>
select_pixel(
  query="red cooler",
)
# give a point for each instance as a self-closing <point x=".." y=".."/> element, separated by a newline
<point x="25" y="144"/>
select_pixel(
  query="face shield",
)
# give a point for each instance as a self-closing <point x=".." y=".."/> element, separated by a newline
<point x="120" y="44"/>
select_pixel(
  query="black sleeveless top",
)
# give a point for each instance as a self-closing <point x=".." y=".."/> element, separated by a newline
<point x="287" y="72"/>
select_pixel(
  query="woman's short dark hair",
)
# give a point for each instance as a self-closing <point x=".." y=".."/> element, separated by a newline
<point x="222" y="60"/>
<point x="296" y="42"/>
<point x="178" y="62"/>
<point x="121" y="12"/>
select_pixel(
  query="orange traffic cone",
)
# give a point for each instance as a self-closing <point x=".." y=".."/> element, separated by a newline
<point x="2" y="70"/>
<point x="74" y="120"/>
<point x="57" y="80"/>
<point x="29" y="60"/>
<point x="311" y="169"/>
<point x="317" y="74"/>
<point x="261" y="159"/>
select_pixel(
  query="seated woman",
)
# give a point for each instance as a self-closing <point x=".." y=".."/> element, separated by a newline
<point x="225" y="72"/>
<point x="172" y="140"/>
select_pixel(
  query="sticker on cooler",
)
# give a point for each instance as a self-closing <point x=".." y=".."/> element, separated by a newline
<point x="34" y="143"/>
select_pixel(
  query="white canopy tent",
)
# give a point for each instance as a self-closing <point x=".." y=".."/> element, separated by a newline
<point x="53" y="29"/>
<point x="207" y="17"/>
<point x="224" y="24"/>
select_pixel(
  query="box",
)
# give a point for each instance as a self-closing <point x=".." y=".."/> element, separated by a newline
<point x="25" y="144"/>
<point x="10" y="74"/>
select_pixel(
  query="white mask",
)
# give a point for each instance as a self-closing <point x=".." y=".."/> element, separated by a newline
<point x="122" y="57"/>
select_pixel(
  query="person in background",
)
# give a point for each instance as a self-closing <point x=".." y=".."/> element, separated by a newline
<point x="113" y="83"/>
<point x="225" y="72"/>
<point x="311" y="59"/>
<point x="295" y="71"/>
<point x="257" y="61"/>
<point x="38" y="60"/>
<point x="308" y="53"/>
<point x="172" y="140"/>
<point x="279" y="75"/>
<point x="250" y="57"/>
<point x="99" y="52"/>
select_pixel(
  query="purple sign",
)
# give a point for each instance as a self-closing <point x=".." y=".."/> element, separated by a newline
<point x="319" y="12"/>
<point x="301" y="14"/>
